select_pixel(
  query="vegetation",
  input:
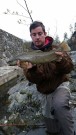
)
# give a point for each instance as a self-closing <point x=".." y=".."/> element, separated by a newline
<point x="71" y="40"/>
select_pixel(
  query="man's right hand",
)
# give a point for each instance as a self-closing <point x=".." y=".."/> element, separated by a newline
<point x="24" y="65"/>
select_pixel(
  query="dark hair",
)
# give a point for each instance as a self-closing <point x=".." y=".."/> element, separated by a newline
<point x="37" y="24"/>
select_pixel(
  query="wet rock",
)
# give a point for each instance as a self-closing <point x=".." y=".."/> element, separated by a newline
<point x="3" y="62"/>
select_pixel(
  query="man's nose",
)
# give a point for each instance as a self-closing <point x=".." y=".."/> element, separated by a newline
<point x="37" y="36"/>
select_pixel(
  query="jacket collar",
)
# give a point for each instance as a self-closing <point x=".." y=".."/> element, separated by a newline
<point x="48" y="43"/>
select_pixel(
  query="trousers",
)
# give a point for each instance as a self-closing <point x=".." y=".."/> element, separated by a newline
<point x="57" y="111"/>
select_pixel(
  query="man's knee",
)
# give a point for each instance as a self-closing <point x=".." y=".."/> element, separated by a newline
<point x="61" y="100"/>
<point x="61" y="108"/>
<point x="58" y="104"/>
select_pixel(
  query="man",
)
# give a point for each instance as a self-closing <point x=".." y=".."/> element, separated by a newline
<point x="52" y="81"/>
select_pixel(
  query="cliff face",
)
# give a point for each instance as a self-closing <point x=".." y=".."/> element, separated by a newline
<point x="10" y="45"/>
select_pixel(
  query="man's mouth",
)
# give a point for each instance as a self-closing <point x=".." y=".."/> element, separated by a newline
<point x="38" y="41"/>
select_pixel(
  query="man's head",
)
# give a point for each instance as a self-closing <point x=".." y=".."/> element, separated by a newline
<point x="37" y="33"/>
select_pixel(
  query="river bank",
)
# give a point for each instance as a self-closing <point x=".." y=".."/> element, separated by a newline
<point x="21" y="104"/>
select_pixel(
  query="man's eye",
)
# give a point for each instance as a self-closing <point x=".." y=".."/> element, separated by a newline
<point x="40" y="33"/>
<point x="33" y="34"/>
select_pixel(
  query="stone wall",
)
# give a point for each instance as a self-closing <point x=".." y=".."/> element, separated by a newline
<point x="10" y="45"/>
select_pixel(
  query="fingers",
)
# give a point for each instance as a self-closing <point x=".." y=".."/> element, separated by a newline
<point x="28" y="65"/>
<point x="24" y="65"/>
<point x="59" y="54"/>
<point x="18" y="63"/>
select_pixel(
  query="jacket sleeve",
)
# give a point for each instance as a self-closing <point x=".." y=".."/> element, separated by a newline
<point x="40" y="72"/>
<point x="47" y="71"/>
<point x="65" y="66"/>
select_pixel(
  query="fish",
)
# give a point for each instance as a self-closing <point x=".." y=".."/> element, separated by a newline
<point x="37" y="56"/>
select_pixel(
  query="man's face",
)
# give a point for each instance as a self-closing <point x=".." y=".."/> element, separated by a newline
<point x="38" y="36"/>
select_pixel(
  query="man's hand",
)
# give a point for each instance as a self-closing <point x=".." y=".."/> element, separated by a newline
<point x="24" y="65"/>
<point x="60" y="56"/>
<point x="28" y="65"/>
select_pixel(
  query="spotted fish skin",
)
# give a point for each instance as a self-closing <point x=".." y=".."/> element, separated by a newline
<point x="35" y="57"/>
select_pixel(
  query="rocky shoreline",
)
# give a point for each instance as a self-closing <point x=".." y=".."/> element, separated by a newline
<point x="25" y="108"/>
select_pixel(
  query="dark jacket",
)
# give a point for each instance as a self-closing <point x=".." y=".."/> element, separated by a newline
<point x="49" y="76"/>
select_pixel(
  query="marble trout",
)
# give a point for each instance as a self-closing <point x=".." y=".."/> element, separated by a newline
<point x="37" y="56"/>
